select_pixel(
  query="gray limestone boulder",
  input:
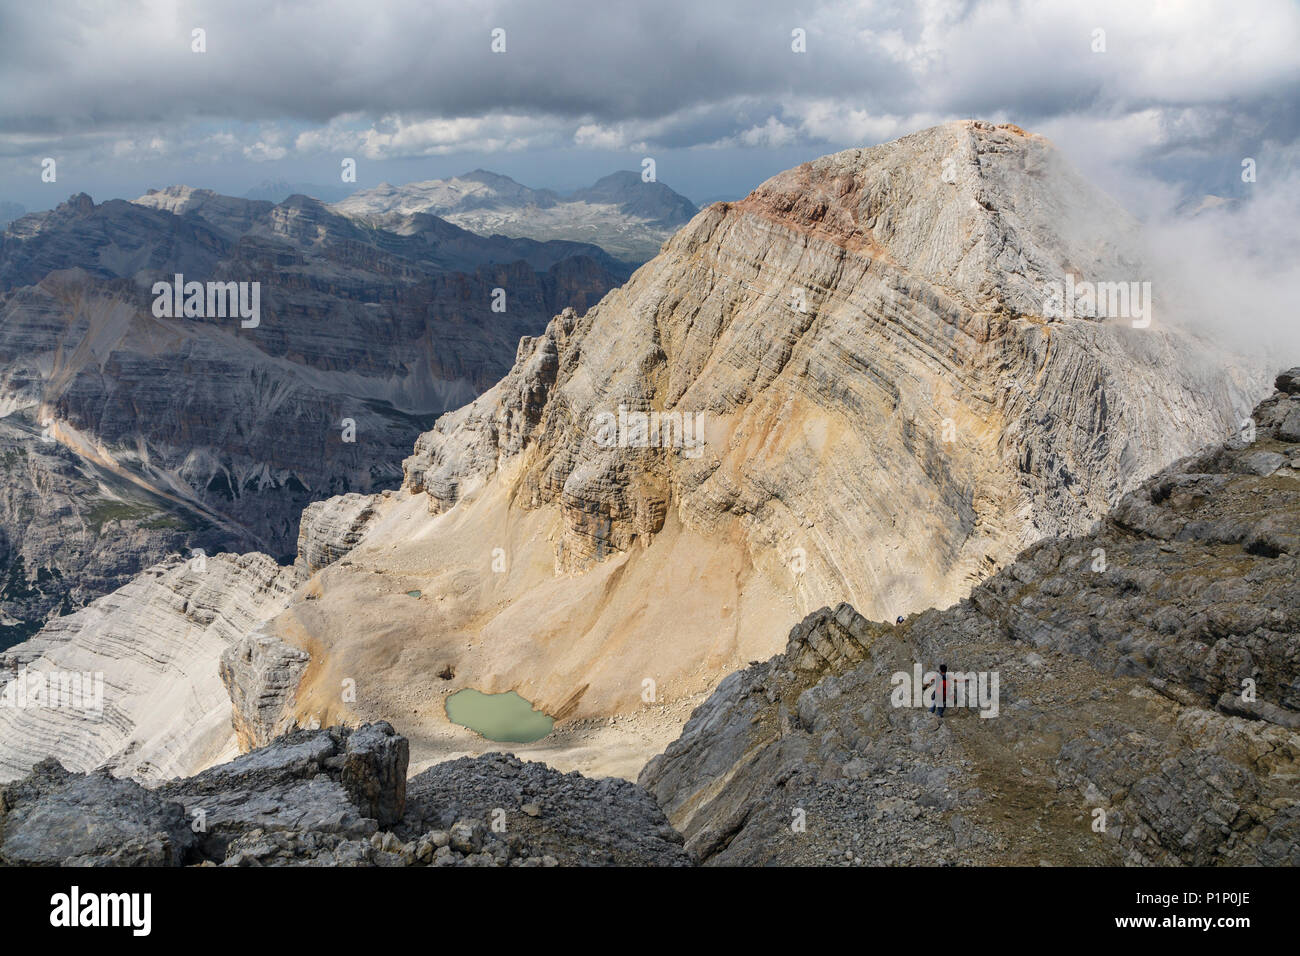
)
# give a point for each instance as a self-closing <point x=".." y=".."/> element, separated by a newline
<point x="57" y="818"/>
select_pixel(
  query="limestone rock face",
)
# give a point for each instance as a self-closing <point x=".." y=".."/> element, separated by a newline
<point x="1146" y="678"/>
<point x="127" y="437"/>
<point x="156" y="646"/>
<point x="866" y="394"/>
<point x="940" y="410"/>
<point x="198" y="643"/>
<point x="261" y="673"/>
<point x="330" y="528"/>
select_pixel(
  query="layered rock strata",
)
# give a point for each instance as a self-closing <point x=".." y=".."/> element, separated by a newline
<point x="1146" y="710"/>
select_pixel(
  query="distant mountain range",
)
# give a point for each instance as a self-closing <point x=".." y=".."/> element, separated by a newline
<point x="278" y="190"/>
<point x="126" y="436"/>
<point x="9" y="211"/>
<point x="628" y="218"/>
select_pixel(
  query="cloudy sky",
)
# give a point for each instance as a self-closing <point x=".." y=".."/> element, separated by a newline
<point x="1155" y="100"/>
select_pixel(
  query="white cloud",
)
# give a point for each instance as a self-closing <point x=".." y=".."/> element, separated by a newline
<point x="261" y="152"/>
<point x="596" y="136"/>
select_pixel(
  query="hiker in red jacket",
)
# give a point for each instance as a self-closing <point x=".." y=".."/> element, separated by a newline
<point x="941" y="690"/>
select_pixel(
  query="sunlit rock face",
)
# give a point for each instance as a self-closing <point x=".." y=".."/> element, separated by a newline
<point x="862" y="389"/>
<point x="862" y="344"/>
<point x="157" y="643"/>
<point x="867" y="394"/>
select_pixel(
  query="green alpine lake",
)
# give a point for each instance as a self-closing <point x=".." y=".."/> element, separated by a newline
<point x="502" y="717"/>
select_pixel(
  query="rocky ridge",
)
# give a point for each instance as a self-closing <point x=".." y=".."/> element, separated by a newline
<point x="1148" y="680"/>
<point x="335" y="797"/>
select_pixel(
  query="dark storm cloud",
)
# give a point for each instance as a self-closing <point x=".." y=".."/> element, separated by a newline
<point x="672" y="68"/>
<point x="117" y="86"/>
<point x="314" y="61"/>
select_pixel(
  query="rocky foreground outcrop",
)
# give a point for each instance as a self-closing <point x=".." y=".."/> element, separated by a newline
<point x="336" y="797"/>
<point x="1146" y="711"/>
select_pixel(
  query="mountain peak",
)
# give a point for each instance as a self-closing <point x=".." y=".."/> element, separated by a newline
<point x="990" y="212"/>
<point x="79" y="203"/>
<point x="634" y="196"/>
<point x="487" y="176"/>
<point x="620" y="177"/>
<point x="843" y="387"/>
